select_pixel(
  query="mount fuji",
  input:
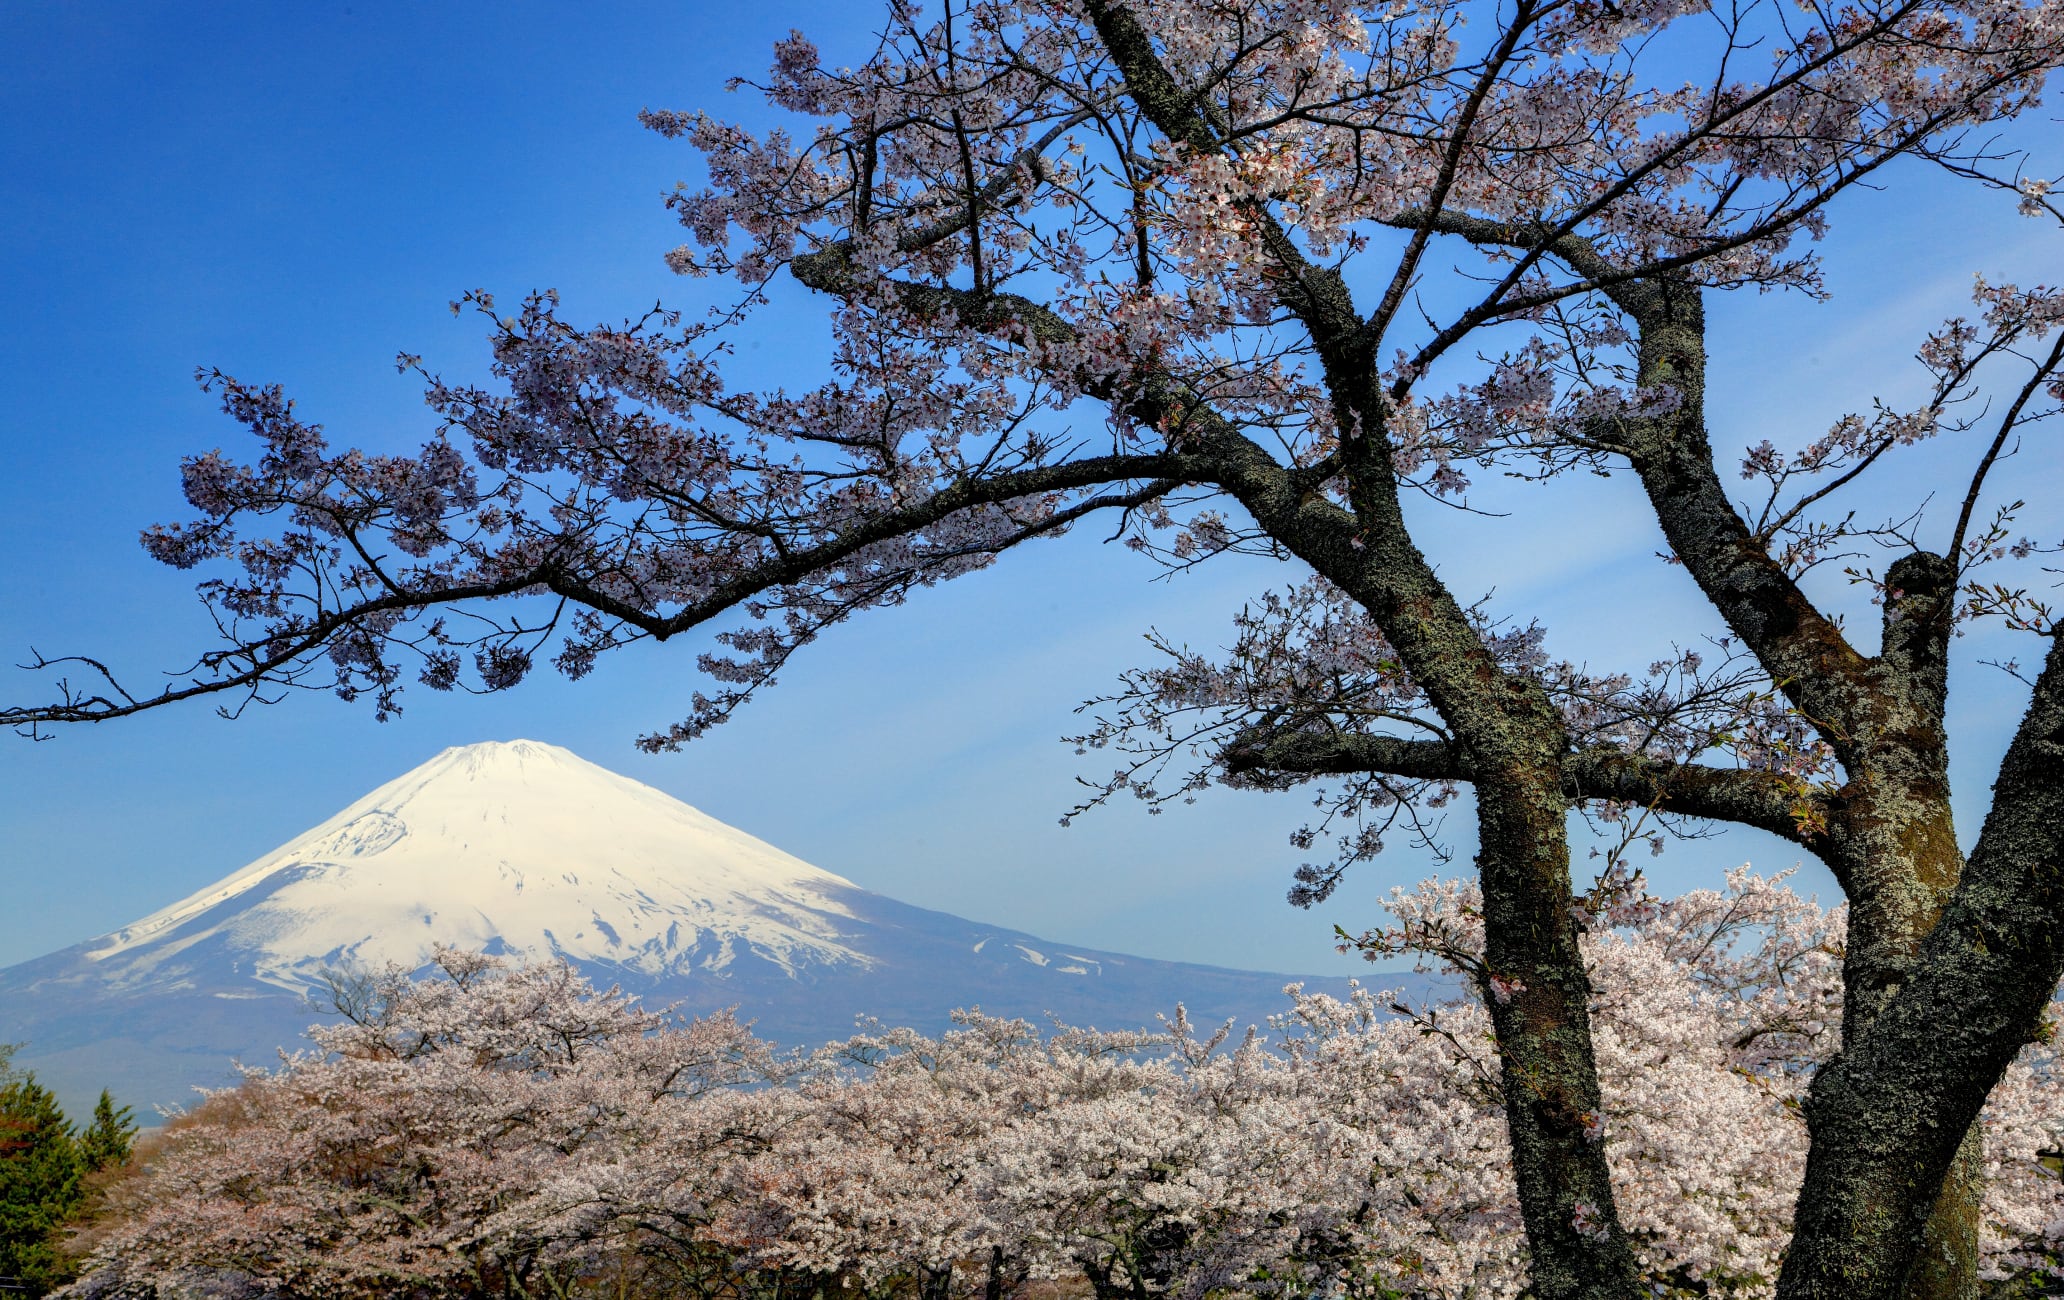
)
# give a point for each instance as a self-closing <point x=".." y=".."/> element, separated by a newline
<point x="527" y="849"/>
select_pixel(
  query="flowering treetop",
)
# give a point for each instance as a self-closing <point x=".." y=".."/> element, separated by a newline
<point x="1350" y="1148"/>
<point x="1013" y="221"/>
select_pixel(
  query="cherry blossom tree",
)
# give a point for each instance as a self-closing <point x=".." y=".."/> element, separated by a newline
<point x="1210" y="225"/>
<point x="511" y="1131"/>
<point x="476" y="1133"/>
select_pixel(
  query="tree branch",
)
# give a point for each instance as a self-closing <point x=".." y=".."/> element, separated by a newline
<point x="266" y="660"/>
<point x="2047" y="367"/>
<point x="1800" y="647"/>
<point x="1742" y="796"/>
<point x="277" y="656"/>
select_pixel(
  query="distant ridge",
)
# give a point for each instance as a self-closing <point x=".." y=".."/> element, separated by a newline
<point x="526" y="848"/>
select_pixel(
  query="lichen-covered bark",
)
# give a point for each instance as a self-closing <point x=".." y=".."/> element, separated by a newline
<point x="1890" y="836"/>
<point x="1890" y="1114"/>
<point x="1542" y="1019"/>
<point x="1893" y="841"/>
<point x="1895" y="838"/>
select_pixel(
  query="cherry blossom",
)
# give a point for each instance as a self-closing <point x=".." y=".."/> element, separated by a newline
<point x="498" y="1129"/>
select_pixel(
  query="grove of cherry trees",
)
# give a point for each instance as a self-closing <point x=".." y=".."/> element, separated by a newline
<point x="491" y="1130"/>
<point x="1243" y="276"/>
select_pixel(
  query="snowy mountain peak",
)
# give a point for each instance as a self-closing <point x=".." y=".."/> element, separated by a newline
<point x="524" y="848"/>
<point x="512" y="845"/>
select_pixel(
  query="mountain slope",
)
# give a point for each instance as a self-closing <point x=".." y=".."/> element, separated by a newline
<point x="519" y="844"/>
<point x="526" y="848"/>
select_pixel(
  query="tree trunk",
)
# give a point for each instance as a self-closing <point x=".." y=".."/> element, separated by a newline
<point x="1536" y="987"/>
<point x="1899" y="837"/>
<point x="1890" y="1115"/>
<point x="1539" y="995"/>
<point x="1515" y="742"/>
<point x="1100" y="1283"/>
<point x="1002" y="1280"/>
<point x="1893" y="843"/>
<point x="1948" y="1266"/>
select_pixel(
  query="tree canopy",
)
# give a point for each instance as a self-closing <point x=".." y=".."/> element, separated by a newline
<point x="44" y="1167"/>
<point x="492" y="1130"/>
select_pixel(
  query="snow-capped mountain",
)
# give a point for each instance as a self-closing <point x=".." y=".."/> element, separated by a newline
<point x="526" y="848"/>
<point x="518" y="845"/>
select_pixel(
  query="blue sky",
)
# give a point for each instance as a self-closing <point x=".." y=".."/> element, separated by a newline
<point x="294" y="193"/>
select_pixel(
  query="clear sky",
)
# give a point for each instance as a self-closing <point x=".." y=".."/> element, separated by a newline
<point x="293" y="192"/>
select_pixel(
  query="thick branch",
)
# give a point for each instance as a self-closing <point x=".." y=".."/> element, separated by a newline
<point x="278" y="656"/>
<point x="799" y="565"/>
<point x="1317" y="294"/>
<point x="1740" y="796"/>
<point x="1800" y="647"/>
<point x="1633" y="295"/>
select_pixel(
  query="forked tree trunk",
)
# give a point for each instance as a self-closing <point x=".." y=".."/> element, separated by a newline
<point x="1891" y="839"/>
<point x="1890" y="1117"/>
<point x="1898" y="836"/>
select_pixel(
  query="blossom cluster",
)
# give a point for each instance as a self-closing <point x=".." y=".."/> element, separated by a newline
<point x="509" y="1130"/>
<point x="1309" y="661"/>
<point x="1005" y="229"/>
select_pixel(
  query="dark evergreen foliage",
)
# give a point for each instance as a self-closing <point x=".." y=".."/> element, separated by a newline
<point x="44" y="1170"/>
<point x="107" y="1141"/>
<point x="42" y="1184"/>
